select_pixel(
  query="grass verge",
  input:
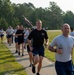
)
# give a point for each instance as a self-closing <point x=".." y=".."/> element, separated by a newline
<point x="8" y="65"/>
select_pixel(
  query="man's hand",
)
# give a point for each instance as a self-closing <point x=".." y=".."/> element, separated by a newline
<point x="59" y="51"/>
<point x="46" y="45"/>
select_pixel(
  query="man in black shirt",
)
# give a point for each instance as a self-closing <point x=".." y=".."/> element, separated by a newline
<point x="37" y="35"/>
<point x="20" y="35"/>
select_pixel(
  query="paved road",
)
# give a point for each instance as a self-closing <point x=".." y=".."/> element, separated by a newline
<point x="47" y="68"/>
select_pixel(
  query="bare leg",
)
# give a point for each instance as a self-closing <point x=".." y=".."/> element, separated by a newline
<point x="19" y="49"/>
<point x="16" y="46"/>
<point x="30" y="58"/>
<point x="22" y="49"/>
<point x="39" y="64"/>
<point x="36" y="60"/>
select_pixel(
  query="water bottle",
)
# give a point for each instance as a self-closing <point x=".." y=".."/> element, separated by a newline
<point x="60" y="46"/>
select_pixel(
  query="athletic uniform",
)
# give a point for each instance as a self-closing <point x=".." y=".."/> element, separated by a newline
<point x="1" y="33"/>
<point x="21" y="37"/>
<point x="38" y="37"/>
<point x="9" y="33"/>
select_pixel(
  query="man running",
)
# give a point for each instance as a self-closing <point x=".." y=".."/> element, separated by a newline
<point x="37" y="35"/>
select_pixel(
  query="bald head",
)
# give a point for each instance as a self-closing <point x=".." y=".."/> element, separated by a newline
<point x="65" y="29"/>
<point x="39" y="24"/>
<point x="65" y="25"/>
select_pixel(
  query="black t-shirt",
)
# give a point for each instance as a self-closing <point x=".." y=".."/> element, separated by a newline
<point x="20" y="37"/>
<point x="38" y="37"/>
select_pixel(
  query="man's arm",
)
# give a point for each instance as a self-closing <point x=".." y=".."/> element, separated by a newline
<point x="52" y="49"/>
<point x="59" y="51"/>
<point x="46" y="42"/>
<point x="29" y="43"/>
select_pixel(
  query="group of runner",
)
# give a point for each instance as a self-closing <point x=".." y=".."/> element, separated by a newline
<point x="19" y="36"/>
<point x="35" y="40"/>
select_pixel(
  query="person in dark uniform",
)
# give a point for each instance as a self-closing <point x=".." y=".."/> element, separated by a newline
<point x="20" y="34"/>
<point x="38" y="36"/>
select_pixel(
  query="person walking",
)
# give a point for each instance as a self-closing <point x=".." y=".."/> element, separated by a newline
<point x="37" y="35"/>
<point x="62" y="45"/>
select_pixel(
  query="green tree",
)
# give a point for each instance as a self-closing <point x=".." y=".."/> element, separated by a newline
<point x="56" y="16"/>
<point x="7" y="11"/>
<point x="69" y="18"/>
<point x="3" y="24"/>
<point x="15" y="22"/>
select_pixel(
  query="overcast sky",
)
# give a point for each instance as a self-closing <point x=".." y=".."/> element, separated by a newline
<point x="63" y="4"/>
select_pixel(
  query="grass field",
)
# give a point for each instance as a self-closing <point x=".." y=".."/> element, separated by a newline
<point x="51" y="34"/>
<point x="8" y="65"/>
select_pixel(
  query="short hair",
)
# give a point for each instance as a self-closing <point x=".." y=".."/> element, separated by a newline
<point x="64" y="25"/>
<point x="39" y="21"/>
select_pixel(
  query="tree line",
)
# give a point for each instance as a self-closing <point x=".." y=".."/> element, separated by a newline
<point x="53" y="17"/>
